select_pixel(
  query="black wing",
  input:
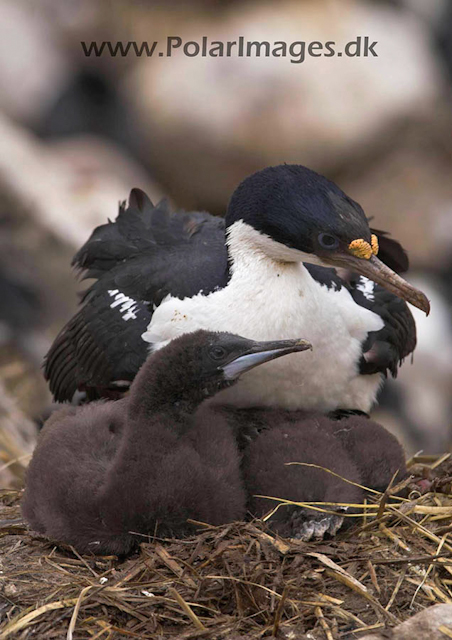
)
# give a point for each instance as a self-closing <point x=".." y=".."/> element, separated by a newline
<point x="147" y="253"/>
<point x="384" y="350"/>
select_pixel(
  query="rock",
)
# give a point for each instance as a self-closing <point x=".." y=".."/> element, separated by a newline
<point x="425" y="625"/>
<point x="32" y="67"/>
<point x="68" y="187"/>
<point x="407" y="189"/>
<point x="213" y="120"/>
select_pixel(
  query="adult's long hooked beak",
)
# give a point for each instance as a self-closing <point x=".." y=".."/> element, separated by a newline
<point x="376" y="270"/>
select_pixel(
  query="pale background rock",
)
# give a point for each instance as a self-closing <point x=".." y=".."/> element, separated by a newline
<point x="425" y="625"/>
<point x="245" y="113"/>
<point x="71" y="186"/>
<point x="32" y="69"/>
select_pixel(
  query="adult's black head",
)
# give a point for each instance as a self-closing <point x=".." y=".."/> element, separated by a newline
<point x="198" y="365"/>
<point x="297" y="215"/>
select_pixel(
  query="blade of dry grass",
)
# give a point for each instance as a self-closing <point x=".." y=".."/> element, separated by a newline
<point x="22" y="621"/>
<point x="188" y="610"/>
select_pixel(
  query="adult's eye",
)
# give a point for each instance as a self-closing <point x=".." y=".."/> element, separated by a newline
<point x="327" y="241"/>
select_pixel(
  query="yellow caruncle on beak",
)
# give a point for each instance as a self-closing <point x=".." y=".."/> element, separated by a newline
<point x="362" y="249"/>
<point x="374" y="244"/>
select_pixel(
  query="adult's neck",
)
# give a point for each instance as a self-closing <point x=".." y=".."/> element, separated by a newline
<point x="256" y="257"/>
<point x="246" y="244"/>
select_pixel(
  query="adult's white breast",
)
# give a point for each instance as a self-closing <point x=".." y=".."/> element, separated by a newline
<point x="280" y="301"/>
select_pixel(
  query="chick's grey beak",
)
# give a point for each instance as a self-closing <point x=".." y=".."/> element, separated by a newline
<point x="376" y="270"/>
<point x="262" y="352"/>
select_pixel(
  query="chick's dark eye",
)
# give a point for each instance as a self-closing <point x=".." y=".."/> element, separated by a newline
<point x="327" y="241"/>
<point x="217" y="353"/>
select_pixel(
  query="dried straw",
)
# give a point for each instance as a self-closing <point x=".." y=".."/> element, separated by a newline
<point x="239" y="580"/>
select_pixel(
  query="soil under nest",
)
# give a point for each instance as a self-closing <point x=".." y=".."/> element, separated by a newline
<point x="239" y="581"/>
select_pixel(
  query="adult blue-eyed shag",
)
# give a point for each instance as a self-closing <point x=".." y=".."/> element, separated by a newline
<point x="266" y="272"/>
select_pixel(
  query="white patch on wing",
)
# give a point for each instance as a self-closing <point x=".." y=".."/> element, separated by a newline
<point x="366" y="287"/>
<point x="128" y="306"/>
<point x="267" y="299"/>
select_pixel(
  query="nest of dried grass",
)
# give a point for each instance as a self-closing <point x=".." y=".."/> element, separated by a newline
<point x="239" y="581"/>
